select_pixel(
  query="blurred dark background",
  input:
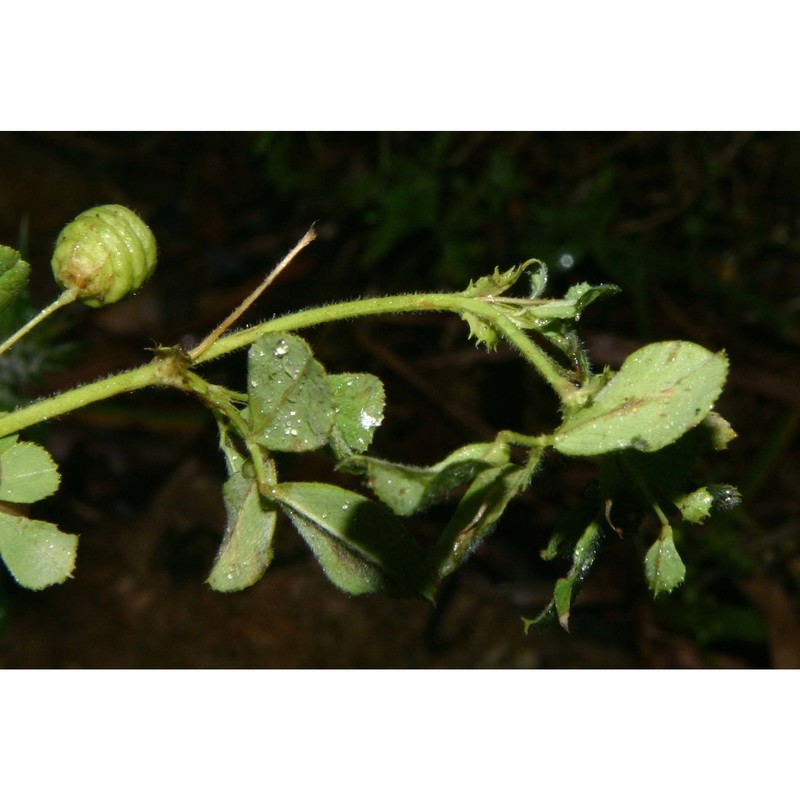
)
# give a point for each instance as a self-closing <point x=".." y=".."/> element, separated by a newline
<point x="701" y="231"/>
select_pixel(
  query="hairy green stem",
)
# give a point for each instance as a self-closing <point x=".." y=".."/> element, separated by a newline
<point x="396" y="304"/>
<point x="168" y="368"/>
<point x="76" y="398"/>
<point x="65" y="298"/>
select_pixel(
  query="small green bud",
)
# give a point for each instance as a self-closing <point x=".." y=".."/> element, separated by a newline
<point x="105" y="253"/>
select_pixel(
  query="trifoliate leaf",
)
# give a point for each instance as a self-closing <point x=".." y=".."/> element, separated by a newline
<point x="360" y="545"/>
<point x="663" y="567"/>
<point x="290" y="401"/>
<point x="36" y="553"/>
<point x="14" y="273"/>
<point x="659" y="393"/>
<point x="27" y="473"/>
<point x="409" y="489"/>
<point x="359" y="400"/>
<point x="246" y="550"/>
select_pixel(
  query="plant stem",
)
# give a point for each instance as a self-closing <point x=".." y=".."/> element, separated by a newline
<point x="79" y="397"/>
<point x="212" y="337"/>
<point x="65" y="298"/>
<point x="167" y="370"/>
<point x="455" y="303"/>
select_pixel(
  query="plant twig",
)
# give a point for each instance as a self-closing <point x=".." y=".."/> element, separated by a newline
<point x="65" y="298"/>
<point x="212" y="337"/>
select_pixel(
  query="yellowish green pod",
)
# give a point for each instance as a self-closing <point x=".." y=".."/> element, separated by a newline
<point x="105" y="253"/>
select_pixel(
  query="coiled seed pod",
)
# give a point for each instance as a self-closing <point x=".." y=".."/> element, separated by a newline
<point x="105" y="253"/>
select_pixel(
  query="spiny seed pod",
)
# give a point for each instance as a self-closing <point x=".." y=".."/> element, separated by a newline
<point x="105" y="253"/>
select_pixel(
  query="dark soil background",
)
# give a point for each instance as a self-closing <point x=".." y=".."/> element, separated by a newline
<point x="702" y="232"/>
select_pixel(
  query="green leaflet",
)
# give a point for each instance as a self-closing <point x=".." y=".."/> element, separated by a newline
<point x="660" y="392"/>
<point x="246" y="550"/>
<point x="566" y="589"/>
<point x="663" y="566"/>
<point x="720" y="432"/>
<point x="359" y="399"/>
<point x="27" y="473"/>
<point x="14" y="273"/>
<point x="234" y="460"/>
<point x="408" y="489"/>
<point x="538" y="281"/>
<point x="479" y="510"/>
<point x="361" y="546"/>
<point x="571" y="307"/>
<point x="290" y="400"/>
<point x="573" y="524"/>
<point x="36" y="553"/>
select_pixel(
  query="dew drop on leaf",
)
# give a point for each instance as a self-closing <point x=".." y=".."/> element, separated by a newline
<point x="368" y="421"/>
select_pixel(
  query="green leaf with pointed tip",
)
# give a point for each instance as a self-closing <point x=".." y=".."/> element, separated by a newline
<point x="582" y="294"/>
<point x="36" y="553"/>
<point x="538" y="282"/>
<point x="547" y="313"/>
<point x="361" y="547"/>
<point x="663" y="567"/>
<point x="27" y="473"/>
<point x="290" y="401"/>
<point x="359" y="400"/>
<point x="246" y="550"/>
<point x="720" y="432"/>
<point x="234" y="460"/>
<point x="476" y="515"/>
<point x="14" y="273"/>
<point x="567" y="588"/>
<point x="498" y="282"/>
<point x="659" y="393"/>
<point x="573" y="524"/>
<point x="409" y="490"/>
